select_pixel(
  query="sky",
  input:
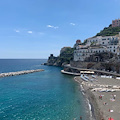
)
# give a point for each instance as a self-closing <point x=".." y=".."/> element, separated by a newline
<point x="38" y="28"/>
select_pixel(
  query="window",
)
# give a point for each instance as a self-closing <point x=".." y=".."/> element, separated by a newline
<point x="102" y="42"/>
<point x="114" y="50"/>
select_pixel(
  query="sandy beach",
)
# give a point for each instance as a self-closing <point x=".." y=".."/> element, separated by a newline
<point x="104" y="96"/>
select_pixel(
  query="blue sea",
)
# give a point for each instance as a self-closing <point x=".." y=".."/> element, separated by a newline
<point x="47" y="95"/>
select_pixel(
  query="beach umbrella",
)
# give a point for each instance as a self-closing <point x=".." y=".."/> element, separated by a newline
<point x="110" y="118"/>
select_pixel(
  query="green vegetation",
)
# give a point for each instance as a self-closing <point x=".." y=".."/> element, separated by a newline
<point x="67" y="55"/>
<point x="109" y="31"/>
<point x="64" y="58"/>
<point x="84" y="43"/>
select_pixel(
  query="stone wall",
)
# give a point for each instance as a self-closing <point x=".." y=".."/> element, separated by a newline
<point x="111" y="66"/>
<point x="81" y="64"/>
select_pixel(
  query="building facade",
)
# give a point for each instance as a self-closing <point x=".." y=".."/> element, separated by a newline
<point x="116" y="23"/>
<point x="97" y="45"/>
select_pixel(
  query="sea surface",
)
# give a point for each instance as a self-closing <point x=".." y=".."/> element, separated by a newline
<point x="47" y="95"/>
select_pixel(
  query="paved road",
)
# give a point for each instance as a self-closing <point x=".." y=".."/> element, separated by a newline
<point x="98" y="71"/>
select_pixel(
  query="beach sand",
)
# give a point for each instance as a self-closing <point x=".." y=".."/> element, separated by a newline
<point x="109" y="105"/>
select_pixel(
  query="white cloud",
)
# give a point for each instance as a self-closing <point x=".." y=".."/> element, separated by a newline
<point x="17" y="31"/>
<point x="50" y="26"/>
<point x="72" y="24"/>
<point x="30" y="32"/>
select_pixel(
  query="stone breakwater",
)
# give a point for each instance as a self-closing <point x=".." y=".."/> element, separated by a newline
<point x="19" y="72"/>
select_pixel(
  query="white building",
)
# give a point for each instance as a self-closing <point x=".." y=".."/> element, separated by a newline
<point x="97" y="45"/>
<point x="107" y="40"/>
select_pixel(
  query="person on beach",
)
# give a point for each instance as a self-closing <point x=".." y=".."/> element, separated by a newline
<point x="110" y="118"/>
<point x="104" y="103"/>
<point x="114" y="96"/>
<point x="100" y="97"/>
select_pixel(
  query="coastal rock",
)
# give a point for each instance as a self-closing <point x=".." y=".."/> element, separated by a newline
<point x="66" y="55"/>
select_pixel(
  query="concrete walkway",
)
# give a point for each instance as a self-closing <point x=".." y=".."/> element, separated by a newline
<point x="97" y="71"/>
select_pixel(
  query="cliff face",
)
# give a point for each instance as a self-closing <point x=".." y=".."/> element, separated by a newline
<point x="64" y="58"/>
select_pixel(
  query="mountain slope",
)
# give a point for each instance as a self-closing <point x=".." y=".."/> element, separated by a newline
<point x="109" y="31"/>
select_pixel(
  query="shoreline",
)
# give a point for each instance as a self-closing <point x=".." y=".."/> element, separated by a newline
<point x="103" y="95"/>
<point x="94" y="111"/>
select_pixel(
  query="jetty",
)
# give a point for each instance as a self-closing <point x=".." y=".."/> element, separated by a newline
<point x="19" y="72"/>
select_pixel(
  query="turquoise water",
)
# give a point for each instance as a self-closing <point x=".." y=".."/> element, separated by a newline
<point x="47" y="95"/>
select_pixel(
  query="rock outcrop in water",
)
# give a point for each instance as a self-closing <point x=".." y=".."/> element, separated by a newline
<point x="19" y="72"/>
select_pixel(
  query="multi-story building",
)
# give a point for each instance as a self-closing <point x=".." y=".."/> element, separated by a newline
<point x="99" y="40"/>
<point x="116" y="23"/>
<point x="96" y="45"/>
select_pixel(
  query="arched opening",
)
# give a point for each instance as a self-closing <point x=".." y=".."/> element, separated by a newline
<point x="96" y="59"/>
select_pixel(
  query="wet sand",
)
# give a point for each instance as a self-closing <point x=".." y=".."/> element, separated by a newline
<point x="109" y="105"/>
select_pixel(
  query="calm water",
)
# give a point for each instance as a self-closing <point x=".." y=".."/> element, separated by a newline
<point x="47" y="95"/>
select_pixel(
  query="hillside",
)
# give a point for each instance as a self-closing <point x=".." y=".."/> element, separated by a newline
<point x="109" y="31"/>
<point x="63" y="58"/>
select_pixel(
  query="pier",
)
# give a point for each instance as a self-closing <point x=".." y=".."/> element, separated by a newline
<point x="19" y="72"/>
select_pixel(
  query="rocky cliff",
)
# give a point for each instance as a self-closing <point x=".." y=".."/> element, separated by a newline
<point x="64" y="58"/>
